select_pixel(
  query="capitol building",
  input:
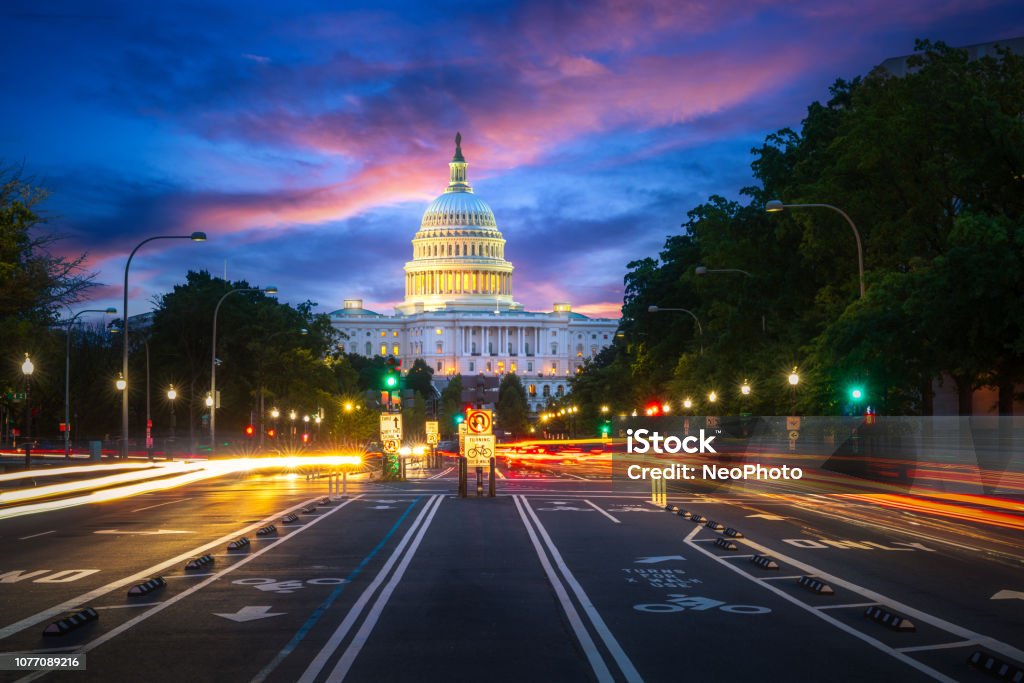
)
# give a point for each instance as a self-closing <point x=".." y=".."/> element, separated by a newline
<point x="460" y="315"/>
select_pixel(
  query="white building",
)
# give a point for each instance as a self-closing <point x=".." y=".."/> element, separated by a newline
<point x="459" y="314"/>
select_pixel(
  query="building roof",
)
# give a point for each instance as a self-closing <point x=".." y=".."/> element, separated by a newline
<point x="459" y="209"/>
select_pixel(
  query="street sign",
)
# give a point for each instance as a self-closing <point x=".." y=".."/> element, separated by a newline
<point x="391" y="427"/>
<point x="431" y="426"/>
<point x="792" y="424"/>
<point x="479" y="421"/>
<point x="433" y="439"/>
<point x="479" y="449"/>
<point x="462" y="438"/>
<point x="794" y="435"/>
<point x="390" y="445"/>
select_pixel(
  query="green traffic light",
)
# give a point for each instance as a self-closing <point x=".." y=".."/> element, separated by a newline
<point x="856" y="394"/>
<point x="391" y="381"/>
<point x="459" y="419"/>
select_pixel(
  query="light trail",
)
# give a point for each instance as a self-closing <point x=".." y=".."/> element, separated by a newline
<point x="73" y="469"/>
<point x="191" y="473"/>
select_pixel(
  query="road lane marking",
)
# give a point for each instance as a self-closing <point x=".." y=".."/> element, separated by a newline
<point x="908" y="611"/>
<point x="320" y="661"/>
<point x="601" y="671"/>
<point x="170" y="502"/>
<point x="618" y="654"/>
<point x="85" y="598"/>
<point x="344" y="664"/>
<point x="923" y="668"/>
<point x="940" y="646"/>
<point x="735" y="557"/>
<point x="780" y="578"/>
<point x="129" y="605"/>
<point x="847" y="605"/>
<point x="113" y="633"/>
<point x="326" y="604"/>
<point x="602" y="511"/>
<point x="25" y="538"/>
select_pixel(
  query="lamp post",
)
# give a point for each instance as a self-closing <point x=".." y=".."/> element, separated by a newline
<point x="27" y="368"/>
<point x="794" y="379"/>
<point x="703" y="270"/>
<point x="67" y="374"/>
<point x="195" y="237"/>
<point x="775" y="206"/>
<point x="171" y="395"/>
<point x="213" y="361"/>
<point x="700" y="330"/>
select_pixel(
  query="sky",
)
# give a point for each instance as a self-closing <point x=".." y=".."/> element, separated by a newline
<point x="306" y="138"/>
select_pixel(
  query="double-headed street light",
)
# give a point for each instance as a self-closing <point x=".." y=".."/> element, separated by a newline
<point x="775" y="206"/>
<point x="67" y="374"/>
<point x="700" y="330"/>
<point x="213" y="361"/>
<point x="195" y="237"/>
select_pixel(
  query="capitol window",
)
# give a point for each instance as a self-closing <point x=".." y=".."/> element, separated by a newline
<point x="395" y="333"/>
<point x="369" y="348"/>
<point x="394" y="349"/>
<point x="440" y="366"/>
<point x="440" y="347"/>
<point x="533" y="390"/>
<point x="439" y="331"/>
<point x="472" y="366"/>
<point x="383" y="333"/>
<point x="383" y="349"/>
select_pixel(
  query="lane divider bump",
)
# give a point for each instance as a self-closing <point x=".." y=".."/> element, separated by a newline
<point x="147" y="586"/>
<point x="71" y="622"/>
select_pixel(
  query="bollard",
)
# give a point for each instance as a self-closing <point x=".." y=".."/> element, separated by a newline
<point x="479" y="481"/>
<point x="490" y="479"/>
<point x="28" y="456"/>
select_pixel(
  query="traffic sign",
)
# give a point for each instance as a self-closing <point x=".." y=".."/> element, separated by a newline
<point x="479" y="421"/>
<point x="462" y="438"/>
<point x="433" y="439"/>
<point x="794" y="435"/>
<point x="390" y="445"/>
<point x="479" y="449"/>
<point x="391" y="427"/>
<point x="431" y="426"/>
<point x="792" y="423"/>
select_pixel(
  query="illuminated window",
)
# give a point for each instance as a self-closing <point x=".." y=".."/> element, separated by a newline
<point x="439" y="331"/>
<point x="501" y="367"/>
<point x="512" y="368"/>
<point x="533" y="390"/>
<point x="440" y="366"/>
<point x="395" y="333"/>
<point x="383" y="333"/>
<point x="440" y="347"/>
<point x="394" y="349"/>
<point x="383" y="349"/>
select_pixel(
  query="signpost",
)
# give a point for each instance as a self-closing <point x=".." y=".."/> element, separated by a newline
<point x="479" y="421"/>
<point x="390" y="441"/>
<point x="479" y="450"/>
<point x="433" y="438"/>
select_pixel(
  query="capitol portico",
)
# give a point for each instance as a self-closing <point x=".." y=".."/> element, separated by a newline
<point x="459" y="314"/>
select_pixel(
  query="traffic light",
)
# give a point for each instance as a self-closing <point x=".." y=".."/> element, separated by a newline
<point x="271" y="433"/>
<point x="460" y="418"/>
<point x="249" y="430"/>
<point x="856" y="394"/>
<point x="305" y="438"/>
<point x="390" y="380"/>
<point x="606" y="428"/>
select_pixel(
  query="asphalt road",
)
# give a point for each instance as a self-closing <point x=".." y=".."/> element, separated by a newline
<point x="558" y="578"/>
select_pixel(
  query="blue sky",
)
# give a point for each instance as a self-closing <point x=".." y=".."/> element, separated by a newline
<point x="306" y="138"/>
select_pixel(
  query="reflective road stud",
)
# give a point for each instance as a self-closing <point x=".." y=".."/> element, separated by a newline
<point x="816" y="585"/>
<point x="69" y="623"/>
<point x="147" y="586"/>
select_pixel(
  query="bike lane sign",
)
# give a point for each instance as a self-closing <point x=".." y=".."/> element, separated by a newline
<point x="479" y="449"/>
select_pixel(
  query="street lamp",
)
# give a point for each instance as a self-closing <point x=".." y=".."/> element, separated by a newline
<point x="195" y="237"/>
<point x="213" y="360"/>
<point x="120" y="382"/>
<point x="67" y="374"/>
<point x="275" y="413"/>
<point x="712" y="397"/>
<point x="794" y="379"/>
<point x="27" y="368"/>
<point x="171" y="395"/>
<point x="700" y="330"/>
<point x="745" y="389"/>
<point x="776" y="206"/>
<point x="687" y="404"/>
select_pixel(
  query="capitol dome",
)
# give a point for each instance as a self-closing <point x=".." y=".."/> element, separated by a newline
<point x="458" y="253"/>
<point x="460" y="208"/>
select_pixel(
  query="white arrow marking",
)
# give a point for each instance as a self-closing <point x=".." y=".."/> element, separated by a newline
<point x="382" y="501"/>
<point x="774" y="518"/>
<point x="250" y="613"/>
<point x="380" y="507"/>
<point x="158" y="532"/>
<point x="659" y="558"/>
<point x="1008" y="595"/>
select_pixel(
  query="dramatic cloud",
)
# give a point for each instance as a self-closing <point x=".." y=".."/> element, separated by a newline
<point x="307" y="143"/>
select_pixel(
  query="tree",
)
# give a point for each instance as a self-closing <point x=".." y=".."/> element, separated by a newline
<point x="513" y="410"/>
<point x="450" y="405"/>
<point x="419" y="379"/>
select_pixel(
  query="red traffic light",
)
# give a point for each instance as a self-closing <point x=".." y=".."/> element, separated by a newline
<point x="249" y="430"/>
<point x="305" y="438"/>
<point x="271" y="433"/>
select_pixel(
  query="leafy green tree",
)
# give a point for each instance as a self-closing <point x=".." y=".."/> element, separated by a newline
<point x="420" y="378"/>
<point x="450" y="405"/>
<point x="512" y="411"/>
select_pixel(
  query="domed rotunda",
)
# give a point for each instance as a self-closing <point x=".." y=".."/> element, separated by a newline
<point x="458" y="253"/>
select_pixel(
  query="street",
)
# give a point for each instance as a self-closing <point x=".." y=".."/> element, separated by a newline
<point x="557" y="578"/>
